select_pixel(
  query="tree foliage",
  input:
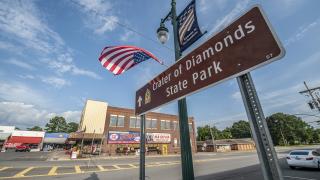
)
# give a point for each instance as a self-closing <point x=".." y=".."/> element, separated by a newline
<point x="285" y="129"/>
<point x="72" y="127"/>
<point x="59" y="124"/>
<point x="35" y="128"/>
<point x="56" y="124"/>
<point x="240" y="129"/>
<point x="288" y="129"/>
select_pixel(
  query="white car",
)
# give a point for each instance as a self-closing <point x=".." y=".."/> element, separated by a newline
<point x="304" y="158"/>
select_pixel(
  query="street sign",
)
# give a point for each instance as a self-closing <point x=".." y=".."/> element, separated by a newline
<point x="244" y="45"/>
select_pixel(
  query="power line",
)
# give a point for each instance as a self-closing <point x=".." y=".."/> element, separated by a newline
<point x="123" y="26"/>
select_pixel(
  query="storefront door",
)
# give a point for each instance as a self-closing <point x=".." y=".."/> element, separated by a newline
<point x="164" y="149"/>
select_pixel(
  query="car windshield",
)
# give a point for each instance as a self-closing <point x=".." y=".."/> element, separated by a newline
<point x="304" y="153"/>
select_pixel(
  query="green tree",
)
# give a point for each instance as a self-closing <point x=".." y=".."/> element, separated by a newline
<point x="240" y="129"/>
<point x="72" y="127"/>
<point x="35" y="128"/>
<point x="226" y="133"/>
<point x="203" y="133"/>
<point x="316" y="136"/>
<point x="57" y="124"/>
<point x="288" y="129"/>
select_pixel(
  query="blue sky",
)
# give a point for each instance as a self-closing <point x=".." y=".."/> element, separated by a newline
<point x="49" y="57"/>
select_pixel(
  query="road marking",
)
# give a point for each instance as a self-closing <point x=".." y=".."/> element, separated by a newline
<point x="116" y="166"/>
<point x="132" y="165"/>
<point x="21" y="174"/>
<point x="77" y="168"/>
<point x="53" y="170"/>
<point x="4" y="168"/>
<point x="101" y="168"/>
<point x="293" y="177"/>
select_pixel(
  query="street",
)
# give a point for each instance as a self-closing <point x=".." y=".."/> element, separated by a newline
<point x="220" y="166"/>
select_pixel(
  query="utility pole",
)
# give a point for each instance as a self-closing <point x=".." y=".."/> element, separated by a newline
<point x="315" y="99"/>
<point x="212" y="137"/>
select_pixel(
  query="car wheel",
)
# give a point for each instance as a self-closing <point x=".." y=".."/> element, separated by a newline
<point x="292" y="167"/>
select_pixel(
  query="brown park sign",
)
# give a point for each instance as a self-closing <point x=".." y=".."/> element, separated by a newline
<point x="244" y="45"/>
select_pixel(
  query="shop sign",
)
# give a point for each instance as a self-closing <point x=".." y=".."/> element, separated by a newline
<point x="116" y="137"/>
<point x="158" y="138"/>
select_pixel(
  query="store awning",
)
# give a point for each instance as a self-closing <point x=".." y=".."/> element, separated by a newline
<point x="4" y="136"/>
<point x="26" y="140"/>
<point x="54" y="140"/>
<point x="78" y="136"/>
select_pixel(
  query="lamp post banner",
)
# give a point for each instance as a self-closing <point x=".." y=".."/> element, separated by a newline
<point x="246" y="44"/>
<point x="188" y="28"/>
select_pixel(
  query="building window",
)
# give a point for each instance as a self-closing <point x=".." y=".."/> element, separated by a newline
<point x="175" y="125"/>
<point x="165" y="125"/>
<point x="113" y="120"/>
<point x="120" y="121"/>
<point x="151" y="123"/>
<point x="168" y="125"/>
<point x="134" y="122"/>
<point x="116" y="121"/>
<point x="154" y="124"/>
<point x="190" y="128"/>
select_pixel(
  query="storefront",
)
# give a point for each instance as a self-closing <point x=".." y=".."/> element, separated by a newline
<point x="55" y="141"/>
<point x="119" y="129"/>
<point x="5" y="133"/>
<point x="127" y="143"/>
<point x="31" y="138"/>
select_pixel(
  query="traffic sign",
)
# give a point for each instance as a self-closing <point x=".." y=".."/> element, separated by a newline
<point x="247" y="43"/>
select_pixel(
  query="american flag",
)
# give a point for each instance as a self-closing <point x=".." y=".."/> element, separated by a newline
<point x="119" y="59"/>
<point x="186" y="23"/>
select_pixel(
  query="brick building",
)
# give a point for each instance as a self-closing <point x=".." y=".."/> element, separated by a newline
<point x="115" y="130"/>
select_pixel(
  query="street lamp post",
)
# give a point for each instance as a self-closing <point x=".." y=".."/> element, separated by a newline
<point x="186" y="153"/>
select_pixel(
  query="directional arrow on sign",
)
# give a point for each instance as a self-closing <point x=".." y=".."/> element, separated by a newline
<point x="139" y="101"/>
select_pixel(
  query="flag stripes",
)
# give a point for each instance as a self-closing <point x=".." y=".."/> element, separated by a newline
<point x="118" y="59"/>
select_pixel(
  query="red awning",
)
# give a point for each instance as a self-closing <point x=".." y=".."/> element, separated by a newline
<point x="26" y="140"/>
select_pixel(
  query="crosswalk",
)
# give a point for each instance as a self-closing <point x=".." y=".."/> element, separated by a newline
<point x="16" y="172"/>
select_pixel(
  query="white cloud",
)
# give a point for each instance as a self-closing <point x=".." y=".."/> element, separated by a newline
<point x="223" y="122"/>
<point x="99" y="15"/>
<point x="126" y="36"/>
<point x="236" y="96"/>
<point x="64" y="63"/>
<point x="22" y="21"/>
<point x="21" y="64"/>
<point x="55" y="82"/>
<point x="15" y="91"/>
<point x="108" y="24"/>
<point x="27" y="115"/>
<point x="26" y="76"/>
<point x="301" y="32"/>
<point x="205" y="5"/>
<point x="72" y="116"/>
<point x="226" y="20"/>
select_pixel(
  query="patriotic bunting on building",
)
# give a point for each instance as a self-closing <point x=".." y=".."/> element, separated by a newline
<point x="119" y="59"/>
<point x="188" y="29"/>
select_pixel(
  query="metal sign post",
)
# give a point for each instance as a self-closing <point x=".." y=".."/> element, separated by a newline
<point x="260" y="132"/>
<point x="142" y="146"/>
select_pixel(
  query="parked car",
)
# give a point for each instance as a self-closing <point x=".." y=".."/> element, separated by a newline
<point x="304" y="158"/>
<point x="23" y="147"/>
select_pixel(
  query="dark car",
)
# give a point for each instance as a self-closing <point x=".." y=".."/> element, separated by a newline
<point x="23" y="148"/>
